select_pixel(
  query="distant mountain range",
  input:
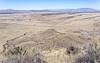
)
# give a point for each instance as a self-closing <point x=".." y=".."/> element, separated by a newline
<point x="79" y="10"/>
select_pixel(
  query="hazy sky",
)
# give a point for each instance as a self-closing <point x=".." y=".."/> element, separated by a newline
<point x="49" y="4"/>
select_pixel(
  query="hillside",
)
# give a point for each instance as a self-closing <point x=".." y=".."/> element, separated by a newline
<point x="50" y="37"/>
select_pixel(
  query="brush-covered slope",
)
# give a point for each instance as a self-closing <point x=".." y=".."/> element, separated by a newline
<point x="48" y="39"/>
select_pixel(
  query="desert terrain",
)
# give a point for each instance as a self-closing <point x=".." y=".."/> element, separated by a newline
<point x="56" y="38"/>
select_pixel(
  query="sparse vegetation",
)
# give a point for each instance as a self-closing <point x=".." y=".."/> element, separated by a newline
<point x="49" y="38"/>
<point x="72" y="50"/>
<point x="92" y="55"/>
<point x="20" y="55"/>
<point x="25" y="59"/>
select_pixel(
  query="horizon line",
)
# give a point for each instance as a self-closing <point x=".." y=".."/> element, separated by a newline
<point x="49" y="9"/>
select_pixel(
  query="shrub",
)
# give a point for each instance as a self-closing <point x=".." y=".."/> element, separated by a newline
<point x="92" y="55"/>
<point x="25" y="59"/>
<point x="72" y="50"/>
<point x="19" y="55"/>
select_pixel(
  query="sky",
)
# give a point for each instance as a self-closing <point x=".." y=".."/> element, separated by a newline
<point x="48" y="4"/>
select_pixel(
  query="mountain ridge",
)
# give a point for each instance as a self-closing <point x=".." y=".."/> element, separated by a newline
<point x="78" y="10"/>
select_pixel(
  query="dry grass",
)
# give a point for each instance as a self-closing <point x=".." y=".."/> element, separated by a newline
<point x="59" y="38"/>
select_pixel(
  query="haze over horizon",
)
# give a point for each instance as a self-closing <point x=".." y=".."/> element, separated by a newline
<point x="48" y="4"/>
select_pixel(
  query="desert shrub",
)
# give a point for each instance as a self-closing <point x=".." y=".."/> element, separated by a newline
<point x="20" y="55"/>
<point x="18" y="50"/>
<point x="25" y="59"/>
<point x="72" y="50"/>
<point x="92" y="55"/>
<point x="85" y="59"/>
<point x="15" y="51"/>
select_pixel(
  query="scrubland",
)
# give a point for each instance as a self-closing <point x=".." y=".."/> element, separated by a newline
<point x="50" y="38"/>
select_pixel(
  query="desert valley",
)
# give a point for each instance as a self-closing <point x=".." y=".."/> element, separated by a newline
<point x="50" y="38"/>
